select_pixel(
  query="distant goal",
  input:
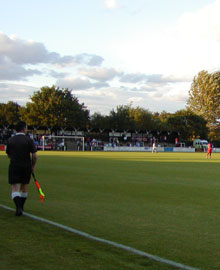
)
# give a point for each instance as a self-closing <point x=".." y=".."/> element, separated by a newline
<point x="62" y="143"/>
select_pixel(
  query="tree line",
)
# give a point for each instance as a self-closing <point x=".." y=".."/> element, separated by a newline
<point x="58" y="109"/>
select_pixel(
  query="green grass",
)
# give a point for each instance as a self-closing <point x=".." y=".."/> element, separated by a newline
<point x="166" y="204"/>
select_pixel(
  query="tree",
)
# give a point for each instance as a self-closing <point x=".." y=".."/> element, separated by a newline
<point x="121" y="118"/>
<point x="9" y="113"/>
<point x="204" y="98"/>
<point x="54" y="107"/>
<point x="2" y="114"/>
<point x="161" y="120"/>
<point x="98" y="121"/>
<point x="143" y="119"/>
<point x="188" y="124"/>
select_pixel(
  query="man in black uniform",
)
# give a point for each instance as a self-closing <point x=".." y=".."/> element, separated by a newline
<point x="22" y="153"/>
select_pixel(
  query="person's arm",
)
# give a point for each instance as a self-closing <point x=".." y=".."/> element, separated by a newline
<point x="34" y="160"/>
<point x="8" y="151"/>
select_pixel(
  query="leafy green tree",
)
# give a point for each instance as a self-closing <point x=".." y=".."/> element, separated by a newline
<point x="55" y="107"/>
<point x="121" y="118"/>
<point x="2" y="114"/>
<point x="9" y="113"/>
<point x="161" y="120"/>
<point x="188" y="124"/>
<point x="99" y="121"/>
<point x="143" y="118"/>
<point x="204" y="98"/>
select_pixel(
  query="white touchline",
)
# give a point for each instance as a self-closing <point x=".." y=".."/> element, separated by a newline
<point x="111" y="243"/>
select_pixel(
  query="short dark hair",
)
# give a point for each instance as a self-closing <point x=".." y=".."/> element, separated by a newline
<point x="20" y="126"/>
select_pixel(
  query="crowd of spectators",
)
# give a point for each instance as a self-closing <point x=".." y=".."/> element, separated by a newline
<point x="90" y="143"/>
<point x="5" y="135"/>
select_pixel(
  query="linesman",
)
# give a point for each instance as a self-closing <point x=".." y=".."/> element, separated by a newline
<point x="21" y="151"/>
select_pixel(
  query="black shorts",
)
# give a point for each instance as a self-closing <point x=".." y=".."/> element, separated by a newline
<point x="19" y="175"/>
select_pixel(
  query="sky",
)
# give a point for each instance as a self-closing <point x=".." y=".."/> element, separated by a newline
<point x="108" y="52"/>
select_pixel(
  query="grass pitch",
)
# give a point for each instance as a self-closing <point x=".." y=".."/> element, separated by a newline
<point x="166" y="204"/>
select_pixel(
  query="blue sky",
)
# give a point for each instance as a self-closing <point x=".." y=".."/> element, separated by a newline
<point x="108" y="52"/>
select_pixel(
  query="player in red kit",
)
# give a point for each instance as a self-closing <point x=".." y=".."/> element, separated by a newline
<point x="209" y="151"/>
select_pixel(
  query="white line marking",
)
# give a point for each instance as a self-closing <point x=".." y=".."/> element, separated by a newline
<point x="127" y="248"/>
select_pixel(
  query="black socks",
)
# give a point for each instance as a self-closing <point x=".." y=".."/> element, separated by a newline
<point x="18" y="203"/>
<point x="22" y="202"/>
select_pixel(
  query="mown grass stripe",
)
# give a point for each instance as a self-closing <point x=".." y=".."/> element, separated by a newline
<point x="111" y="243"/>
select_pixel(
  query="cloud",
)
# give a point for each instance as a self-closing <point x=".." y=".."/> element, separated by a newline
<point x="77" y="83"/>
<point x="106" y="99"/>
<point x="57" y="75"/>
<point x="98" y="87"/>
<point x="144" y="89"/>
<point x="153" y="79"/>
<point x="184" y="48"/>
<point x="135" y="99"/>
<point x="195" y="40"/>
<point x="11" y="71"/>
<point x="22" y="52"/>
<point x="108" y="74"/>
<point x="111" y="4"/>
<point x="25" y="52"/>
<point x="17" y="92"/>
<point x="133" y="77"/>
<point x="74" y="83"/>
<point x="202" y="24"/>
<point x="17" y="55"/>
<point x="89" y="59"/>
<point x="140" y="77"/>
<point x="79" y="59"/>
<point x="100" y="74"/>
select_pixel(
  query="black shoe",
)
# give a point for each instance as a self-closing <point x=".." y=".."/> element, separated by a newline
<point x="18" y="212"/>
<point x="22" y="202"/>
